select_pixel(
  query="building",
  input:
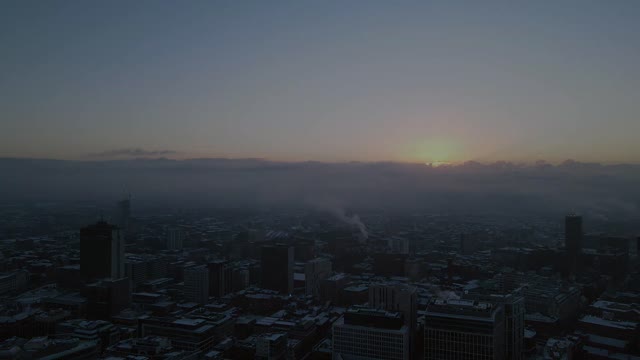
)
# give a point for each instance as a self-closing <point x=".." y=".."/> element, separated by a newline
<point x="175" y="238"/>
<point x="196" y="284"/>
<point x="464" y="329"/>
<point x="220" y="278"/>
<point x="271" y="346"/>
<point x="398" y="245"/>
<point x="46" y="348"/>
<point x="395" y="297"/>
<point x="149" y="347"/>
<point x="389" y="264"/>
<point x="315" y="271"/>
<point x="187" y="333"/>
<point x="136" y="271"/>
<point x="14" y="281"/>
<point x="123" y="213"/>
<point x="514" y="313"/>
<point x="573" y="241"/>
<point x="107" y="297"/>
<point x="101" y="252"/>
<point x="276" y="262"/>
<point x="399" y="298"/>
<point x="99" y="330"/>
<point x="364" y="333"/>
<point x="239" y="279"/>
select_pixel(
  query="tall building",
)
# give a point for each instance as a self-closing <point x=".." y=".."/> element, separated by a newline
<point x="514" y="311"/>
<point x="399" y="298"/>
<point x="220" y="278"/>
<point x="101" y="252"/>
<point x="398" y="245"/>
<point x="364" y="333"/>
<point x="123" y="213"/>
<point x="276" y="262"/>
<point x="175" y="238"/>
<point x="464" y="329"/>
<point x="573" y="241"/>
<point x="196" y="284"/>
<point x="315" y="271"/>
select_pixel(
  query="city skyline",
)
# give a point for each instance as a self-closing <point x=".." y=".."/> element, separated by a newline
<point x="333" y="82"/>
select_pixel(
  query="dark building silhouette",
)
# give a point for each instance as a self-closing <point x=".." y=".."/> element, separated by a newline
<point x="107" y="297"/>
<point x="101" y="252"/>
<point x="573" y="241"/>
<point x="220" y="278"/>
<point x="123" y="213"/>
<point x="277" y="268"/>
<point x="388" y="264"/>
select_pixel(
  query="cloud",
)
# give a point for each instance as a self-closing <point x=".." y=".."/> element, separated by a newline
<point x="132" y="152"/>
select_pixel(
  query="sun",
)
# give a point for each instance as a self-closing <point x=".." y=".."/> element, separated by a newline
<point x="434" y="151"/>
<point x="437" y="163"/>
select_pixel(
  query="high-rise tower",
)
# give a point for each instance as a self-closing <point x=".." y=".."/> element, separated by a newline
<point x="101" y="252"/>
<point x="573" y="241"/>
<point x="276" y="262"/>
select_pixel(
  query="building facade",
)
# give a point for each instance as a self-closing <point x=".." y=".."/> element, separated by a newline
<point x="276" y="262"/>
<point x="101" y="252"/>
<point x="364" y="333"/>
<point x="464" y="330"/>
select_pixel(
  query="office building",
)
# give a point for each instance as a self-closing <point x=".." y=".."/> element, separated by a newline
<point x="149" y="347"/>
<point x="13" y="281"/>
<point x="315" y="271"/>
<point x="196" y="284"/>
<point x="398" y="298"/>
<point x="364" y="333"/>
<point x="107" y="297"/>
<point x="123" y="213"/>
<point x="101" y="252"/>
<point x="276" y="262"/>
<point x="188" y="333"/>
<point x="395" y="297"/>
<point x="175" y="238"/>
<point x="464" y="329"/>
<point x="398" y="245"/>
<point x="514" y="312"/>
<point x="271" y="346"/>
<point x="220" y="278"/>
<point x="98" y="330"/>
<point x="573" y="241"/>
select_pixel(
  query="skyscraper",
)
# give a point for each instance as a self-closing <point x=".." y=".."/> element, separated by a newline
<point x="220" y="278"/>
<point x="514" y="311"/>
<point x="314" y="271"/>
<point x="123" y="213"/>
<point x="276" y="262"/>
<point x="464" y="329"/>
<point x="196" y="284"/>
<point x="101" y="252"/>
<point x="175" y="238"/>
<point x="364" y="333"/>
<point x="573" y="241"/>
<point x="399" y="298"/>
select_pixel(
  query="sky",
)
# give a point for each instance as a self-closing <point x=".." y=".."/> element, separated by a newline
<point x="408" y="81"/>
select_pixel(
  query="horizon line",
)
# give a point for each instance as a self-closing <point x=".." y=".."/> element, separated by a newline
<point x="435" y="164"/>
